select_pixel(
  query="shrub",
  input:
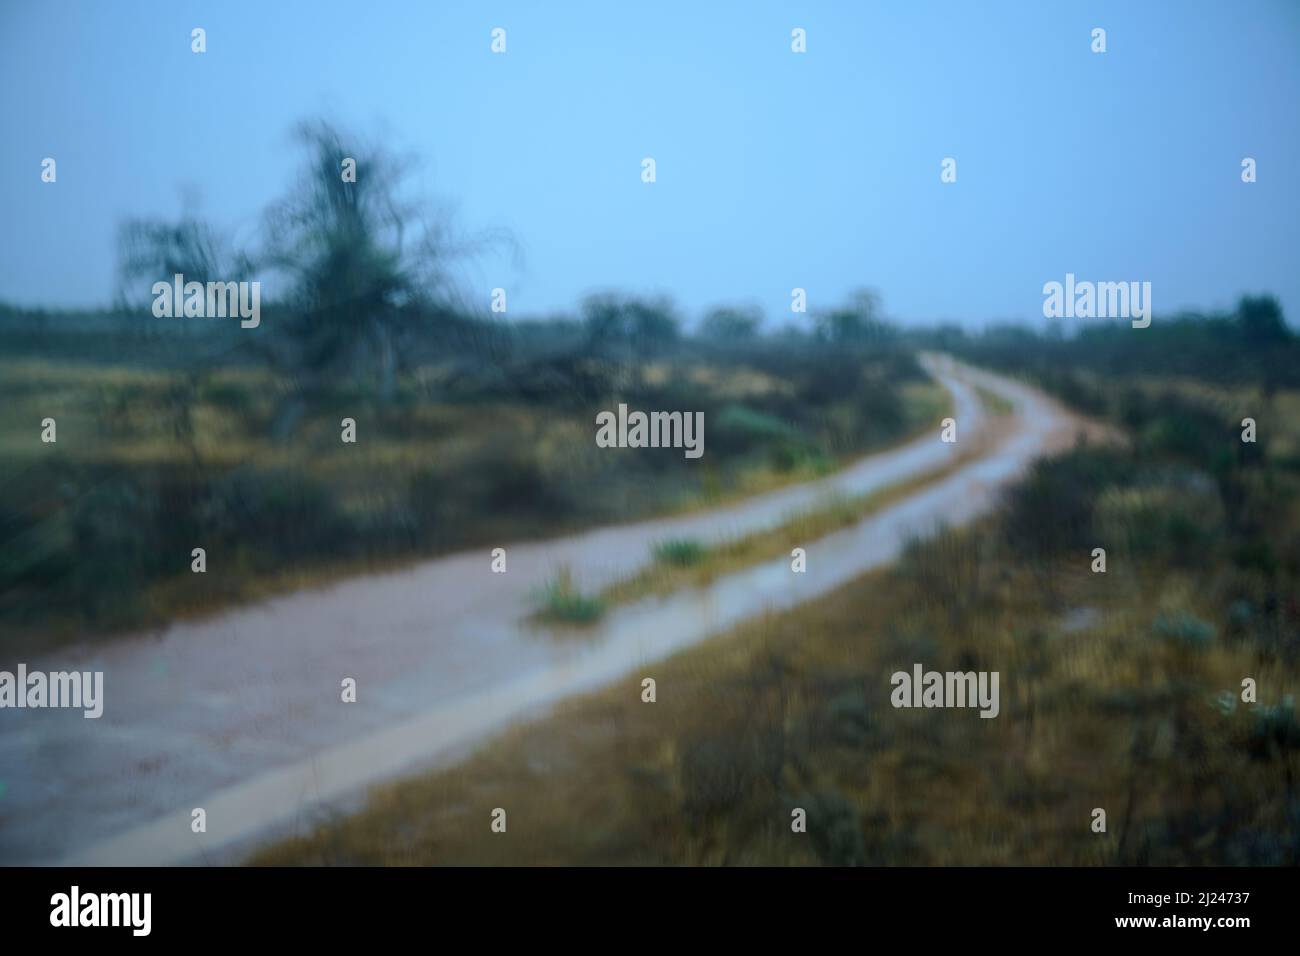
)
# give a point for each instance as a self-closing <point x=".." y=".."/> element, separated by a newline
<point x="848" y="717"/>
<point x="723" y="771"/>
<point x="1173" y="521"/>
<point x="1050" y="512"/>
<point x="274" y="513"/>
<point x="834" y="829"/>
<point x="1274" y="730"/>
<point x="113" y="540"/>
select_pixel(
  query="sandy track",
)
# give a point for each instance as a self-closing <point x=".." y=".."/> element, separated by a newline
<point x="241" y="714"/>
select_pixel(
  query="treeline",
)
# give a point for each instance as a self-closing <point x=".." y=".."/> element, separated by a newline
<point x="1251" y="344"/>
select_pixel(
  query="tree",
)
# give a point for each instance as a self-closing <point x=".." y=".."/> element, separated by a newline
<point x="154" y="250"/>
<point x="629" y="326"/>
<point x="857" y="323"/>
<point x="366" y="269"/>
<point x="1260" y="321"/>
<point x="342" y="246"/>
<point x="732" y="324"/>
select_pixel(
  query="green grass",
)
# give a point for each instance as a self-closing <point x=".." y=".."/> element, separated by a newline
<point x="562" y="603"/>
<point x="680" y="552"/>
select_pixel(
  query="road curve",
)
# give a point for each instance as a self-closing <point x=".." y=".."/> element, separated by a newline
<point x="241" y="714"/>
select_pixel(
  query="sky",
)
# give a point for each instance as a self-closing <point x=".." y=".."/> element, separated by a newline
<point x="774" y="169"/>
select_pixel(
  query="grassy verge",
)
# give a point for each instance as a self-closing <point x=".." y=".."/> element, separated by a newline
<point x="1109" y="709"/>
<point x="1120" y="691"/>
<point x="151" y="462"/>
<point x="666" y="575"/>
<point x="687" y="562"/>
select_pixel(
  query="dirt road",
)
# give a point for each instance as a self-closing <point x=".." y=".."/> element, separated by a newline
<point x="241" y="714"/>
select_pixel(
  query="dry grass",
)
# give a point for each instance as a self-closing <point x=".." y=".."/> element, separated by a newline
<point x="793" y="711"/>
<point x="426" y="477"/>
<point x="1119" y="691"/>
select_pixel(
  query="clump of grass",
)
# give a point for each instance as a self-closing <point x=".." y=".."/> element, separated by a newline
<point x="680" y="552"/>
<point x="563" y="603"/>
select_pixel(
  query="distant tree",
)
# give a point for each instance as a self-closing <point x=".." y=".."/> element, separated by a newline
<point x="792" y="333"/>
<point x="653" y="324"/>
<point x="1260" y="320"/>
<point x="629" y="326"/>
<point x="155" y="250"/>
<point x="732" y="323"/>
<point x="857" y="323"/>
<point x="947" y="335"/>
<point x="1261" y="326"/>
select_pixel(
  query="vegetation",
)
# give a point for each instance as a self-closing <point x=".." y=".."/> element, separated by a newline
<point x="1121" y="690"/>
<point x="562" y="602"/>
<point x="153" y="460"/>
<point x="174" y="434"/>
<point x="834" y="513"/>
<point x="680" y="552"/>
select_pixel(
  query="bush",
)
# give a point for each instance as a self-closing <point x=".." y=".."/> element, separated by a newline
<point x="1051" y="511"/>
<point x="1173" y="426"/>
<point x="849" y="717"/>
<point x="502" y="478"/>
<point x="274" y="513"/>
<point x="116" y="548"/>
<point x="834" y="830"/>
<point x="753" y="426"/>
<point x="721" y="772"/>
<point x="1176" y="522"/>
<point x="1274" y="730"/>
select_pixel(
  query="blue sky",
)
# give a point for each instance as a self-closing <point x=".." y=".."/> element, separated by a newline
<point x="775" y="169"/>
